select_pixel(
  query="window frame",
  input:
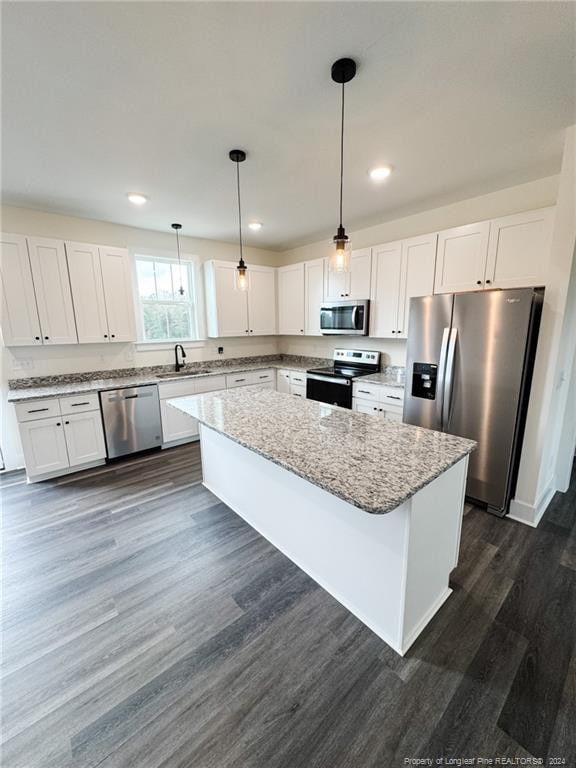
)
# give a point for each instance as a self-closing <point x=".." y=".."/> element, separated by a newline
<point x="196" y="303"/>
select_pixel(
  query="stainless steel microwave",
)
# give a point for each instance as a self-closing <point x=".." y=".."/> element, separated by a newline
<point x="345" y="318"/>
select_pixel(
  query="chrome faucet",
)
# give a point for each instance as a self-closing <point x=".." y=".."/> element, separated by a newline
<point x="179" y="365"/>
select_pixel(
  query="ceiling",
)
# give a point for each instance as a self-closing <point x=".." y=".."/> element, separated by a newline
<point x="105" y="98"/>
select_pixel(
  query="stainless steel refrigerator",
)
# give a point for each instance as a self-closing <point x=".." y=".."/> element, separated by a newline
<point x="468" y="372"/>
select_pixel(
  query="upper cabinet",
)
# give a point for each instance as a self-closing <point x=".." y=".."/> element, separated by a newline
<point x="20" y="321"/>
<point x="291" y="305"/>
<point x="101" y="282"/>
<point x="314" y="285"/>
<point x="401" y="270"/>
<point x="118" y="293"/>
<point x="461" y="258"/>
<point x="518" y="249"/>
<point x="354" y="284"/>
<point x="52" y="289"/>
<point x="232" y="312"/>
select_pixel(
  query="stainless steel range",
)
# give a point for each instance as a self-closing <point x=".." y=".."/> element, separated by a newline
<point x="333" y="384"/>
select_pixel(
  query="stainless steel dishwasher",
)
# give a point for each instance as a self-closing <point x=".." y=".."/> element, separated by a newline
<point x="131" y="419"/>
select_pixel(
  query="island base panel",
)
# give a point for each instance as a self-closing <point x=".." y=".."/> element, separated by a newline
<point x="390" y="570"/>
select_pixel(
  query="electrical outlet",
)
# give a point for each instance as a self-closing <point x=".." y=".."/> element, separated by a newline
<point x="220" y="350"/>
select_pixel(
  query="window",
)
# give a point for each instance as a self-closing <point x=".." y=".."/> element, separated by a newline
<point x="166" y="314"/>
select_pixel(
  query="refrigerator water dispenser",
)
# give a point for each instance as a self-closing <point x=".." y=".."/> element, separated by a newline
<point x="424" y="377"/>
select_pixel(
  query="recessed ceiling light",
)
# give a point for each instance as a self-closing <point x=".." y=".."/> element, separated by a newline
<point x="380" y="173"/>
<point x="255" y="226"/>
<point x="137" y="199"/>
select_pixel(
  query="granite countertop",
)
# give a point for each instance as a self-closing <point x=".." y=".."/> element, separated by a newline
<point x="389" y="377"/>
<point x="371" y="463"/>
<point x="75" y="383"/>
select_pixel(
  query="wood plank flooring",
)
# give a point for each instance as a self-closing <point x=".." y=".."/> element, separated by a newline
<point x="145" y="625"/>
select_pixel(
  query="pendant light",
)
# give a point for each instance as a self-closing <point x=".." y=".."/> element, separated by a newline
<point x="343" y="71"/>
<point x="177" y="228"/>
<point x="238" y="156"/>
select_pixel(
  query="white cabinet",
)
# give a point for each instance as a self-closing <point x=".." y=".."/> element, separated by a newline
<point x="518" y="249"/>
<point x="87" y="292"/>
<point x="44" y="444"/>
<point x="84" y="437"/>
<point x="291" y="305"/>
<point x="378" y="400"/>
<point x="314" y="285"/>
<point x="401" y="270"/>
<point x="52" y="289"/>
<point x="461" y="258"/>
<point x="232" y="312"/>
<point x="354" y="284"/>
<point x="60" y="434"/>
<point x="251" y="378"/>
<point x="118" y="293"/>
<point x="292" y="382"/>
<point x="20" y="322"/>
<point x="177" y="425"/>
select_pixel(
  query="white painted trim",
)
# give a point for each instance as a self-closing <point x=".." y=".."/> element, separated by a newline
<point x="62" y="472"/>
<point x="412" y="636"/>
<point x="531" y="514"/>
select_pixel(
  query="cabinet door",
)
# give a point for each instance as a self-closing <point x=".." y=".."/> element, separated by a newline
<point x="338" y="285"/>
<point x="387" y="262"/>
<point x="418" y="267"/>
<point x="52" y="288"/>
<point x="283" y="382"/>
<point x="461" y="258"/>
<point x="291" y="300"/>
<point x="44" y="445"/>
<point x="84" y="437"/>
<point x="519" y="249"/>
<point x="118" y="293"/>
<point x="227" y="306"/>
<point x="393" y="416"/>
<point x="176" y="425"/>
<point x="87" y="292"/>
<point x="20" y="323"/>
<point x="314" y="295"/>
<point x="365" y="406"/>
<point x="360" y="272"/>
<point x="262" y="301"/>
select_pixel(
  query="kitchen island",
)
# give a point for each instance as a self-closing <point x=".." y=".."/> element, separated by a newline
<point x="370" y="509"/>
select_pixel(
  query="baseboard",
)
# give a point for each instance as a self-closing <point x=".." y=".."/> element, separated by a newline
<point x="428" y="616"/>
<point x="531" y="514"/>
<point x="63" y="472"/>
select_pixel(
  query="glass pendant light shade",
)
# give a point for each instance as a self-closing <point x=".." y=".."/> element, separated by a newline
<point x="242" y="276"/>
<point x="340" y="255"/>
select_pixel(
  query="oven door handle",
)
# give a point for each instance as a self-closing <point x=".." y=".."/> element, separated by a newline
<point x="329" y="379"/>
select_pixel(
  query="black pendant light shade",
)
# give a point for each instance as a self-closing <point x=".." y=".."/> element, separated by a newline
<point x="177" y="228"/>
<point x="238" y="156"/>
<point x="343" y="71"/>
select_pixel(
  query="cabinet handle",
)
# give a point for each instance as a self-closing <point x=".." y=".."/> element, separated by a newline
<point x="246" y="331"/>
<point x="58" y="424"/>
<point x="37" y="410"/>
<point x="113" y="335"/>
<point x="375" y="409"/>
<point x="238" y="380"/>
<point x="393" y="331"/>
<point x="37" y="338"/>
<point x="75" y="405"/>
<point x="105" y="335"/>
<point x="66" y="422"/>
<point x="393" y="397"/>
<point x="478" y="282"/>
<point x="263" y="377"/>
<point x="488" y="282"/>
<point x="364" y="392"/>
<point x="46" y="337"/>
<point x="251" y="331"/>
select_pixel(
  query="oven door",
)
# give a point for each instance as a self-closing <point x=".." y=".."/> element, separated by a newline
<point x="345" y="318"/>
<point x="329" y="389"/>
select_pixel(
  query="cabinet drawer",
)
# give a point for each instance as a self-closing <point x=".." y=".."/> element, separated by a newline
<point x="298" y="390"/>
<point x="210" y="384"/>
<point x="181" y="388"/>
<point x="393" y="396"/>
<point x="249" y="377"/>
<point x="37" y="409"/>
<point x="261" y="377"/>
<point x="367" y="391"/>
<point x="298" y="378"/>
<point x="79" y="403"/>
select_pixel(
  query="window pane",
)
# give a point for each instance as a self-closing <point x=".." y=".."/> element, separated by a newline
<point x="146" y="281"/>
<point x="163" y="280"/>
<point x="180" y="278"/>
<point x="155" y="321"/>
<point x="179" y="321"/>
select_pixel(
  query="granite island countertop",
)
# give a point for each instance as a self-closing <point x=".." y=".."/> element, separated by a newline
<point x="372" y="463"/>
<point x="21" y="390"/>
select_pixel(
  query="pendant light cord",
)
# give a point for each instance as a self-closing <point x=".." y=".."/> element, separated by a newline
<point x="342" y="155"/>
<point x="239" y="209"/>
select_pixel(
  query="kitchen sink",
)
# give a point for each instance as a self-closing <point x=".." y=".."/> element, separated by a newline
<point x="173" y="374"/>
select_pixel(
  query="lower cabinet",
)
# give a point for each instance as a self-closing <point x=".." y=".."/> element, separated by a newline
<point x="178" y="426"/>
<point x="292" y="382"/>
<point x="378" y="400"/>
<point x="56" y="438"/>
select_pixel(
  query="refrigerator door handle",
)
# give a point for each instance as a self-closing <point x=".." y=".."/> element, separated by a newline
<point x="449" y="379"/>
<point x="441" y="377"/>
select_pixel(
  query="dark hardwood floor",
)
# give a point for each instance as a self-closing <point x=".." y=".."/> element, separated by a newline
<point x="146" y="626"/>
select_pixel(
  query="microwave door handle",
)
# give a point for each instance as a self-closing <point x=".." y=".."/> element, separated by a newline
<point x="354" y="317"/>
<point x="441" y="378"/>
<point x="449" y="379"/>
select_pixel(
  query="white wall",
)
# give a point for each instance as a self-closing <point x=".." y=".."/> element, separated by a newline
<point x="524" y="197"/>
<point x="548" y="407"/>
<point x="393" y="352"/>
